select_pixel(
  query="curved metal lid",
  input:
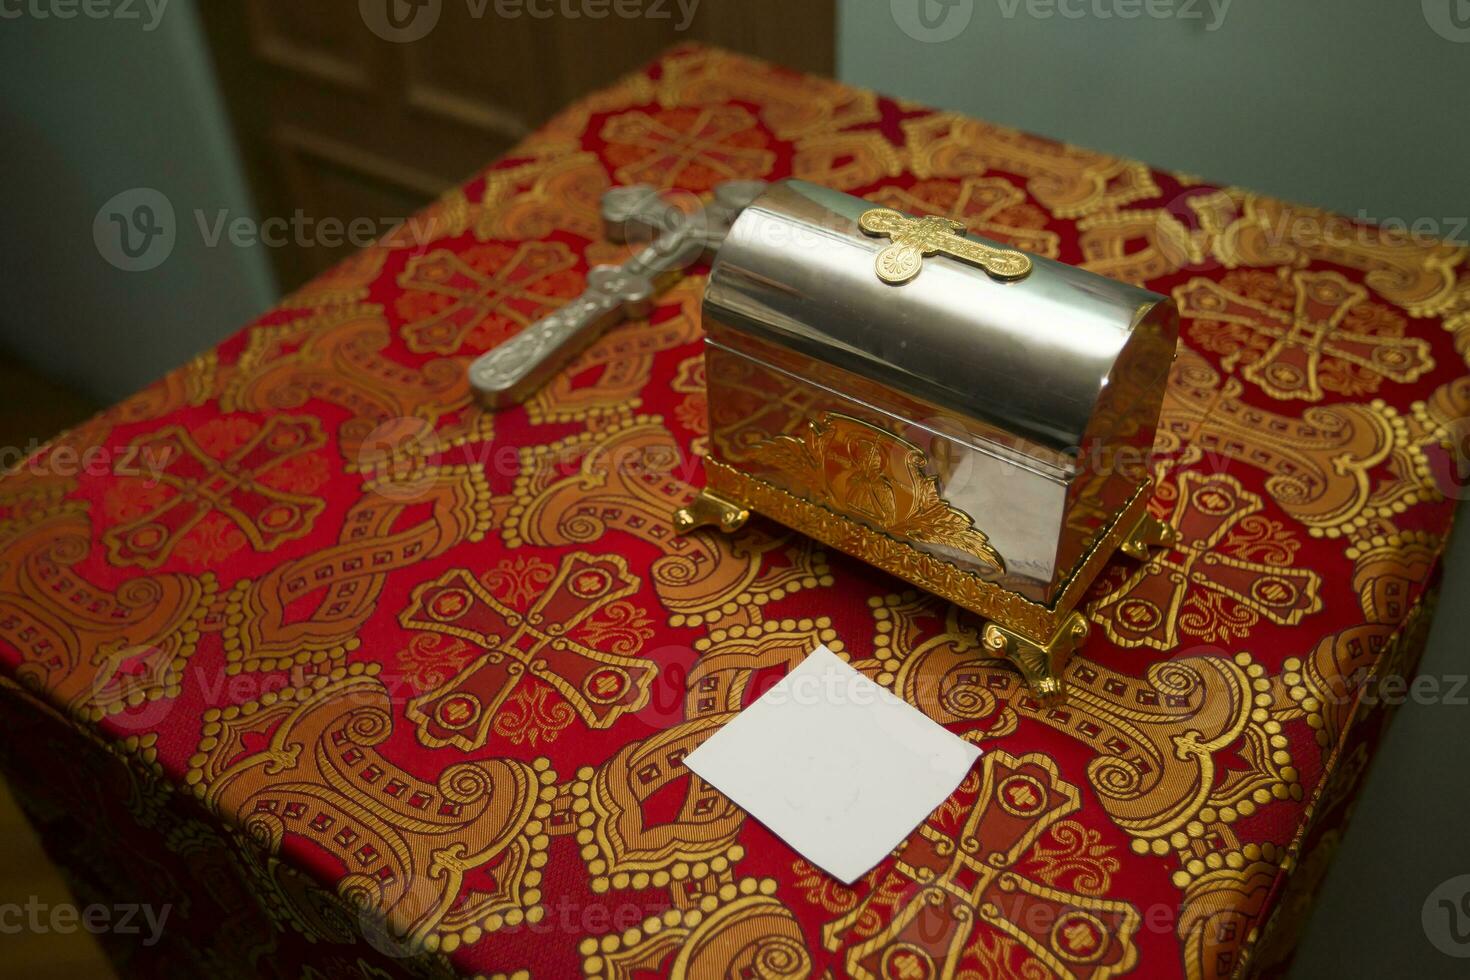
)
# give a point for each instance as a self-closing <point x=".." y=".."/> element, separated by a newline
<point x="1031" y="356"/>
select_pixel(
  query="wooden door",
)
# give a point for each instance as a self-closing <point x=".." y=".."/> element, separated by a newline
<point x="336" y="118"/>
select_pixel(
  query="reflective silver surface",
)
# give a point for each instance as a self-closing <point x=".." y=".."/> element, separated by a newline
<point x="1029" y="357"/>
<point x="1020" y="393"/>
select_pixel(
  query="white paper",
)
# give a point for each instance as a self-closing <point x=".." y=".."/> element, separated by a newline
<point x="834" y="764"/>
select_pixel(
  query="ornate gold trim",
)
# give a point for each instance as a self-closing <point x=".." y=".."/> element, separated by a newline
<point x="1029" y="620"/>
<point x="1147" y="533"/>
<point x="868" y="474"/>
<point x="710" y="510"/>
<point x="1041" y="664"/>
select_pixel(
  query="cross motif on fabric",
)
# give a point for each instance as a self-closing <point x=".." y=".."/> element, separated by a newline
<point x="535" y="643"/>
<point x="461" y="295"/>
<point x="230" y="486"/>
<point x="915" y="238"/>
<point x="949" y="881"/>
<point x="1145" y="611"/>
<point x="693" y="148"/>
<point x="1319" y="467"/>
<point x="1301" y="340"/>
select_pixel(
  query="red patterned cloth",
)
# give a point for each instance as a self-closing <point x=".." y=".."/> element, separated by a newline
<point x="321" y="651"/>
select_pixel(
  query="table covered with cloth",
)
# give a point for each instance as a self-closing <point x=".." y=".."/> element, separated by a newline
<point x="362" y="680"/>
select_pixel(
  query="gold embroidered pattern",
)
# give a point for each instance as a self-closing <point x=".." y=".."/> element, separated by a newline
<point x="1331" y="339"/>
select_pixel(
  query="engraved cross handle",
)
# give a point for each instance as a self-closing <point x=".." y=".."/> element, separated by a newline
<point x="915" y="238"/>
<point x="509" y="373"/>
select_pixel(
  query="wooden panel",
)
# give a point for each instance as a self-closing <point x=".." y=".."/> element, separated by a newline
<point x="583" y="55"/>
<point x="336" y="121"/>
<point x="799" y="35"/>
<point x="308" y="39"/>
<point x="484" y="76"/>
<point x="345" y="184"/>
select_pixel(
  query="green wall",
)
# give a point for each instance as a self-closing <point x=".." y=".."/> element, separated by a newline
<point x="1353" y="105"/>
<point x="91" y="108"/>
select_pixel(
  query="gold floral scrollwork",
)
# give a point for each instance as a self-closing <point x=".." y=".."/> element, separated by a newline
<point x="865" y="473"/>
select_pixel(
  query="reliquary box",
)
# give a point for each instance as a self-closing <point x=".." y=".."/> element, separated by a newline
<point x="965" y="416"/>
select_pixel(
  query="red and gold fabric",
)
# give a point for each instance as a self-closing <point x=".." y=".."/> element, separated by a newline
<point x="366" y="681"/>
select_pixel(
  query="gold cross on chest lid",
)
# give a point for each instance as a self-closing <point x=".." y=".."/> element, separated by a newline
<point x="915" y="238"/>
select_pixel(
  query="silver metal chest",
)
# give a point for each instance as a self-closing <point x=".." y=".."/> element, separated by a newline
<point x="968" y="417"/>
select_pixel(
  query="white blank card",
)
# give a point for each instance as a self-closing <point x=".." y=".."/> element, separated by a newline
<point x="837" y="766"/>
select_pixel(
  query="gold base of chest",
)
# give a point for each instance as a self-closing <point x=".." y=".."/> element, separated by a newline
<point x="1038" y="639"/>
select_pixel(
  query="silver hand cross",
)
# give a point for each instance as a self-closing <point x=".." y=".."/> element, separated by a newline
<point x="509" y="373"/>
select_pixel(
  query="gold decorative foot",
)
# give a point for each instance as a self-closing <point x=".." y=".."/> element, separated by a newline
<point x="1040" y="664"/>
<point x="710" y="510"/>
<point x="1148" y="532"/>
